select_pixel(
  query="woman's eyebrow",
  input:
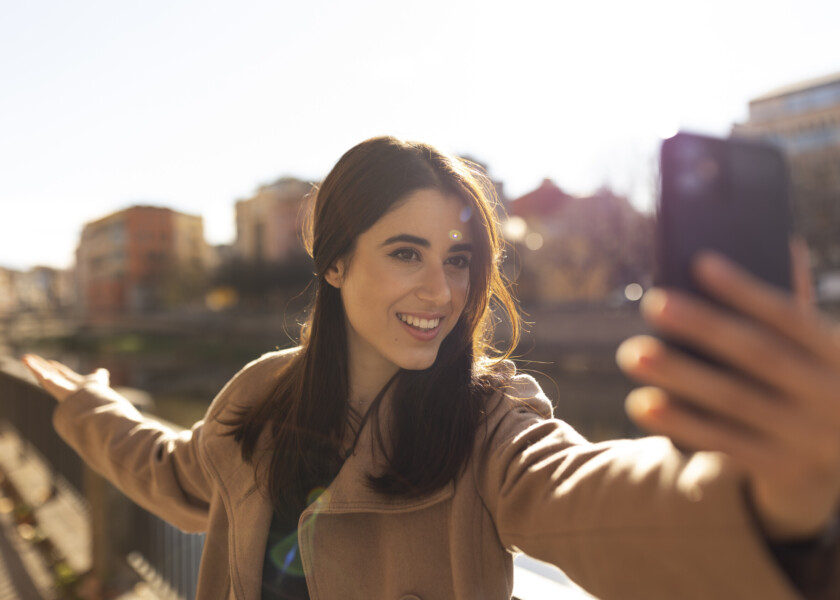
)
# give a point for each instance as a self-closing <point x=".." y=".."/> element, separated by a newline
<point x="461" y="248"/>
<point x="405" y="237"/>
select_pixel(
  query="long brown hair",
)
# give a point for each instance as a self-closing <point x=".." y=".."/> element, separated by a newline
<point x="437" y="411"/>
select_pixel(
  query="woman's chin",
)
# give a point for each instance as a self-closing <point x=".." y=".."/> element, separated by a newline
<point x="418" y="363"/>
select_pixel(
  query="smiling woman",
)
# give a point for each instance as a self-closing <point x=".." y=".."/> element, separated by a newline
<point x="396" y="454"/>
<point x="403" y="292"/>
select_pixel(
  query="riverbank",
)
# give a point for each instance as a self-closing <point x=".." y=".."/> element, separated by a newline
<point x="183" y="359"/>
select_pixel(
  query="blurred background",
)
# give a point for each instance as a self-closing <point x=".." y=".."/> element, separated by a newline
<point x="155" y="160"/>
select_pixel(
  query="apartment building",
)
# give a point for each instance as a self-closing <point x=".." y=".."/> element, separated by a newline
<point x="803" y="119"/>
<point x="268" y="225"/>
<point x="139" y="259"/>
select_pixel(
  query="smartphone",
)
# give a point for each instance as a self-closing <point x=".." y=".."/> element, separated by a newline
<point x="727" y="195"/>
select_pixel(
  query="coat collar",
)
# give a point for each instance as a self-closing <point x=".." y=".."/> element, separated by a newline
<point x="350" y="492"/>
<point x="249" y="512"/>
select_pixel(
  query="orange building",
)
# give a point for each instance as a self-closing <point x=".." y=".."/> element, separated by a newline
<point x="138" y="259"/>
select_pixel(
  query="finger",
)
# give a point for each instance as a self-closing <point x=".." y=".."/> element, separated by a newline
<point x="720" y="393"/>
<point x="66" y="371"/>
<point x="803" y="284"/>
<point x="727" y="396"/>
<point x="102" y="376"/>
<point x="37" y="365"/>
<point x="49" y="377"/>
<point x="653" y="409"/>
<point x="744" y="345"/>
<point x="768" y="305"/>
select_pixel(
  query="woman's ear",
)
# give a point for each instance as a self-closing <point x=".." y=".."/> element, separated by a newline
<point x="335" y="274"/>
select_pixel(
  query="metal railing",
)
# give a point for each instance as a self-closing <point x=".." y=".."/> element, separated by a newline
<point x="164" y="556"/>
<point x="28" y="408"/>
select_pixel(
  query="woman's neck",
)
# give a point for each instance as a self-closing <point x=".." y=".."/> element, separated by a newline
<point x="362" y="396"/>
<point x="365" y="383"/>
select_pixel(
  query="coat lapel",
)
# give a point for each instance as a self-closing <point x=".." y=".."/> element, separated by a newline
<point x="248" y="515"/>
<point x="250" y="520"/>
<point x="249" y="511"/>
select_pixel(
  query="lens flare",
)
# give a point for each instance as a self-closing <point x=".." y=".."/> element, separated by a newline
<point x="285" y="556"/>
<point x="514" y="229"/>
<point x="315" y="494"/>
<point x="633" y="292"/>
<point x="533" y="241"/>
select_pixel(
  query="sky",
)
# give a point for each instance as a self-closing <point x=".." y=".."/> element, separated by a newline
<point x="193" y="104"/>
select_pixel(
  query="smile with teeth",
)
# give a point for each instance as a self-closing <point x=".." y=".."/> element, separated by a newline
<point x="417" y="322"/>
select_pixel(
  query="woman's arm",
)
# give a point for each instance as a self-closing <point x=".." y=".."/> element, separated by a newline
<point x="158" y="468"/>
<point x="623" y="519"/>
<point x="775" y="412"/>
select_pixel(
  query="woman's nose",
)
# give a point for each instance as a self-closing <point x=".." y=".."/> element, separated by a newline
<point x="434" y="288"/>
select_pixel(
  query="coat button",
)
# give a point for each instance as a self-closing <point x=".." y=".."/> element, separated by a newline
<point x="410" y="597"/>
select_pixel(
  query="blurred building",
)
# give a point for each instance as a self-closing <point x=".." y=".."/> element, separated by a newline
<point x="803" y="119"/>
<point x="40" y="289"/>
<point x="8" y="292"/>
<point x="577" y="248"/>
<point x="268" y="225"/>
<point x="140" y="259"/>
<point x="547" y="200"/>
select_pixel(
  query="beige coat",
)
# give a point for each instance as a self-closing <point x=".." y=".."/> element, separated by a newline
<point x="625" y="519"/>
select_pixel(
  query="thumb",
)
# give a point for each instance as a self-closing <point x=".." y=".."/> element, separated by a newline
<point x="102" y="376"/>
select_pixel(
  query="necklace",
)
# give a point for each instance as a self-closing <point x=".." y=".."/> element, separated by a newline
<point x="373" y="406"/>
<point x="352" y="449"/>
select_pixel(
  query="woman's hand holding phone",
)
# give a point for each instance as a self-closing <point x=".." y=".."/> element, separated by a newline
<point x="774" y="410"/>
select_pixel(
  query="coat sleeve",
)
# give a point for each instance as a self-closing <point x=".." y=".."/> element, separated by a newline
<point x="162" y="470"/>
<point x="155" y="466"/>
<point x="624" y="519"/>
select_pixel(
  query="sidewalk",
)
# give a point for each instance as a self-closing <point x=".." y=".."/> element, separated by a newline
<point x="23" y="573"/>
<point x="45" y="531"/>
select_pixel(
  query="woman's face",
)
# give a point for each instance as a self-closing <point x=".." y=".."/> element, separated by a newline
<point x="405" y="286"/>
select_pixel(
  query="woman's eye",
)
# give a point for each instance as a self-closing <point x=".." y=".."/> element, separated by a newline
<point x="459" y="262"/>
<point x="405" y="254"/>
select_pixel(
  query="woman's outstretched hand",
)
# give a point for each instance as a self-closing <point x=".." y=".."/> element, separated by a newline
<point x="58" y="379"/>
<point x="775" y="413"/>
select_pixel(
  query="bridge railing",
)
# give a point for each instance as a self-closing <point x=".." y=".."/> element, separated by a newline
<point x="120" y="531"/>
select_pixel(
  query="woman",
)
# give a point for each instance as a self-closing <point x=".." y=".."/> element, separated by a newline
<point x="393" y="455"/>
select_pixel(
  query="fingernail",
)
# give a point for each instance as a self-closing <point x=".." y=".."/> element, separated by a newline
<point x="654" y="302"/>
<point x="645" y="403"/>
<point x="627" y="355"/>
<point x="638" y="352"/>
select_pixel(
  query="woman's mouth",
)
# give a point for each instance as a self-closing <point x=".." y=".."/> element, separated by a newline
<point x="422" y="329"/>
<point x="419" y="323"/>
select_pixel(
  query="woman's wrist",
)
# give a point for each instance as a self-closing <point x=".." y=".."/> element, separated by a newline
<point x="823" y="539"/>
<point x="812" y="564"/>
